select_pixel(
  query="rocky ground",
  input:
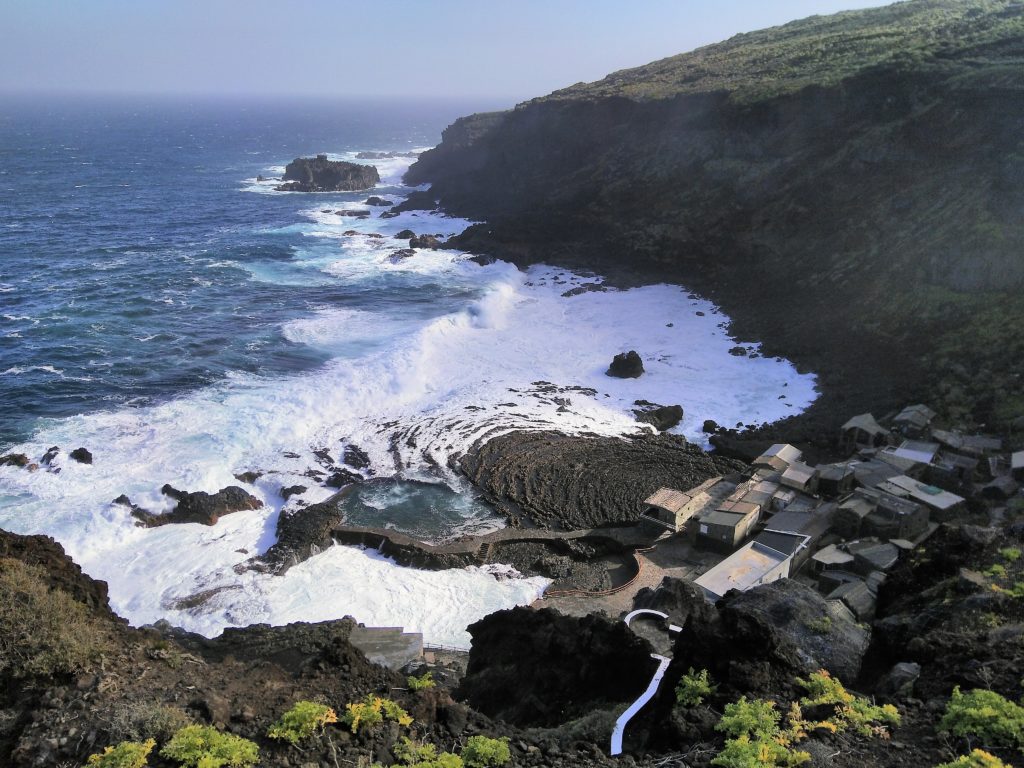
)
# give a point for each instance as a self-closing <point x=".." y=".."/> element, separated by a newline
<point x="552" y="480"/>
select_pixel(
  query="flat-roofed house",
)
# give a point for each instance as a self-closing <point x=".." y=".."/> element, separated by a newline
<point x="778" y="457"/>
<point x="727" y="526"/>
<point x="750" y="565"/>
<point x="944" y="505"/>
<point x="673" y="509"/>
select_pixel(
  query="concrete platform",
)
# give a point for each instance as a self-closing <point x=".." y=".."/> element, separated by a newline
<point x="390" y="647"/>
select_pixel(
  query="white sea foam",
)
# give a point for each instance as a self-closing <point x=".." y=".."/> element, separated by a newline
<point x="413" y="386"/>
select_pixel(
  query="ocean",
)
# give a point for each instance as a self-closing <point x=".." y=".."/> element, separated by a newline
<point x="168" y="311"/>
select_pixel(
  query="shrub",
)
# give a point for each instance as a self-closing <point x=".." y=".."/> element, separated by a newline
<point x="851" y="711"/>
<point x="820" y="626"/>
<point x="200" y="746"/>
<point x="985" y="715"/>
<point x="1010" y="554"/>
<point x="424" y="681"/>
<point x="977" y="759"/>
<point x="372" y="711"/>
<point x="997" y="571"/>
<point x="127" y="754"/>
<point x="755" y="737"/>
<point x="483" y="752"/>
<point x="43" y="630"/>
<point x="302" y="721"/>
<point x="693" y="687"/>
<point x="136" y="721"/>
<point x="417" y="755"/>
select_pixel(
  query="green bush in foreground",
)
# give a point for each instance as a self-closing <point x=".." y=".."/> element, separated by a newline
<point x="977" y="759"/>
<point x="984" y="715"/>
<point x="421" y="683"/>
<point x="302" y="721"/>
<point x="201" y="746"/>
<point x="851" y="711"/>
<point x="415" y="755"/>
<point x="43" y="631"/>
<point x="372" y="711"/>
<point x="755" y="738"/>
<point x="693" y="688"/>
<point x="483" y="752"/>
<point x="127" y="754"/>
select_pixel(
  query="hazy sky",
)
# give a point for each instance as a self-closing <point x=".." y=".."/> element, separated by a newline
<point x="500" y="49"/>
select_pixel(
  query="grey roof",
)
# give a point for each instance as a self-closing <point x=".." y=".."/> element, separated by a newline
<point x="1017" y="460"/>
<point x="973" y="444"/>
<point x="856" y="596"/>
<point x="918" y="415"/>
<point x="834" y="472"/>
<point x="866" y="422"/>
<point x="743" y="569"/>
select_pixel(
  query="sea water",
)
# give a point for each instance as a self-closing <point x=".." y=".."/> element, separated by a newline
<point x="173" y="314"/>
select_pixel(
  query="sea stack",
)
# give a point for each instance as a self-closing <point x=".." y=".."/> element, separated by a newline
<point x="318" y="174"/>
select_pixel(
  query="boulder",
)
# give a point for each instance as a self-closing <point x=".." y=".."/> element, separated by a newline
<point x="301" y="533"/>
<point x="49" y="456"/>
<point x="425" y="200"/>
<point x="14" y="460"/>
<point x="342" y="477"/>
<point x="401" y="255"/>
<point x="626" y="365"/>
<point x="738" y="351"/>
<point x="355" y="457"/>
<point x="575" y="666"/>
<point x="710" y="426"/>
<point x="662" y="417"/>
<point x="389" y="214"/>
<point x="318" y="174"/>
<point x="81" y="455"/>
<point x="425" y="241"/>
<point x="898" y="682"/>
<point x="376" y="201"/>
<point x="761" y="639"/>
<point x="199" y="506"/>
<point x="292" y="490"/>
<point x="405" y="234"/>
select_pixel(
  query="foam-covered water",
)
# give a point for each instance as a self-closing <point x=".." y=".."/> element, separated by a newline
<point x="300" y="331"/>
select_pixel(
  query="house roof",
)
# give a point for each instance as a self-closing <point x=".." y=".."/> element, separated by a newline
<point x="918" y="415"/>
<point x="834" y="472"/>
<point x="872" y="472"/>
<point x="1017" y="460"/>
<point x="832" y="555"/>
<point x="798" y="475"/>
<point x="673" y="500"/>
<point x="723" y="517"/>
<point x="929" y="495"/>
<point x="866" y="422"/>
<point x="973" y="444"/>
<point x="779" y="456"/>
<point x="741" y="508"/>
<point x="742" y="569"/>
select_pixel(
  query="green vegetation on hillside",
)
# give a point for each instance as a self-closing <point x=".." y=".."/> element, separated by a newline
<point x="822" y="50"/>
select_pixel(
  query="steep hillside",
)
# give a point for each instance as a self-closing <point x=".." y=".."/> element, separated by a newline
<point x="850" y="188"/>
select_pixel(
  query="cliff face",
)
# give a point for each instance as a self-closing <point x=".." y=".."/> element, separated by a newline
<point x="854" y="179"/>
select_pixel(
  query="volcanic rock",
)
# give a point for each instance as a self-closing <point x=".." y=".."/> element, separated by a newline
<point x="405" y="234"/>
<point x="292" y="490"/>
<point x="81" y="455"/>
<point x="49" y="456"/>
<point x="341" y="478"/>
<point x="397" y="257"/>
<point x="301" y="533"/>
<point x="541" y="668"/>
<point x="571" y="481"/>
<point x="318" y="174"/>
<point x="355" y="457"/>
<point x="425" y="241"/>
<point x="661" y="417"/>
<point x="199" y="506"/>
<point x="626" y="365"/>
<point x="417" y="201"/>
<point x="14" y="460"/>
<point x="376" y="201"/>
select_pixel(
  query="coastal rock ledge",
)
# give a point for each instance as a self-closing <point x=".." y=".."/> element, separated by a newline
<point x="318" y="174"/>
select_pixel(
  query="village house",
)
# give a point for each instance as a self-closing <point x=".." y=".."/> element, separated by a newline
<point x="1017" y="466"/>
<point x="727" y="526"/>
<point x="914" y="421"/>
<point x="800" y="477"/>
<point x="862" y="432"/>
<point x="673" y="509"/>
<point x="778" y="457"/>
<point x="835" y="480"/>
<point x="944" y="505"/>
<point x="751" y="565"/>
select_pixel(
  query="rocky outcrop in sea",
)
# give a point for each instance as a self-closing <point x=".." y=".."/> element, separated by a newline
<point x="318" y="174"/>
